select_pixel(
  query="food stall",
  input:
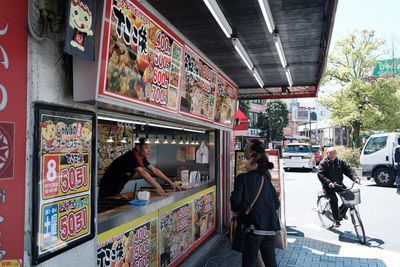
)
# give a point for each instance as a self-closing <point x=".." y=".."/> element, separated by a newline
<point x="147" y="82"/>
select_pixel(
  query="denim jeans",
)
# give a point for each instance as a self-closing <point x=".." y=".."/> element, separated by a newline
<point x="264" y="243"/>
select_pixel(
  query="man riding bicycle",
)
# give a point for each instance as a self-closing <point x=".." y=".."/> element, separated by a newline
<point x="330" y="171"/>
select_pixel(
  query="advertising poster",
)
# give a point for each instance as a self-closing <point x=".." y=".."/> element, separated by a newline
<point x="273" y="156"/>
<point x="204" y="215"/>
<point x="107" y="152"/>
<point x="63" y="201"/>
<point x="132" y="244"/>
<point x="198" y="86"/>
<point x="226" y="102"/>
<point x="240" y="162"/>
<point x="13" y="95"/>
<point x="141" y="59"/>
<point x="176" y="232"/>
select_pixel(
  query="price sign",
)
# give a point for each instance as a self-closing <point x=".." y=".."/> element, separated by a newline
<point x="63" y="209"/>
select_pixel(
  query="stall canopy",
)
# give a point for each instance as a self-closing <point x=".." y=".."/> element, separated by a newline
<point x="242" y="123"/>
<point x="300" y="29"/>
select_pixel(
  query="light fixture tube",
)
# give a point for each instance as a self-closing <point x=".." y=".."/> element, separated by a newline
<point x="219" y="17"/>
<point x="119" y="120"/>
<point x="193" y="130"/>
<point x="164" y="126"/>
<point x="258" y="78"/>
<point x="278" y="45"/>
<point x="264" y="5"/>
<point x="289" y="76"/>
<point x="242" y="53"/>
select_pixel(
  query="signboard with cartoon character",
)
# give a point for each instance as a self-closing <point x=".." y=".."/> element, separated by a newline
<point x="79" y="40"/>
<point x="64" y="175"/>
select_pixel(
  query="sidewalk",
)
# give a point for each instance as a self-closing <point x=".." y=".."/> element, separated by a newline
<point x="303" y="251"/>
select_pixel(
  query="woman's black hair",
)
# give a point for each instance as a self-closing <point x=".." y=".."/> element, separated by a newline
<point x="263" y="164"/>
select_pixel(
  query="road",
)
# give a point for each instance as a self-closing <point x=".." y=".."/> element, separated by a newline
<point x="379" y="209"/>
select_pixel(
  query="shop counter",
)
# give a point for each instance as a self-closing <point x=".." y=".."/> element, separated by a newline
<point x="114" y="217"/>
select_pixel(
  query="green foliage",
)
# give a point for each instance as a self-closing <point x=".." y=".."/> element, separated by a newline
<point x="351" y="157"/>
<point x="244" y="106"/>
<point x="273" y="119"/>
<point x="352" y="57"/>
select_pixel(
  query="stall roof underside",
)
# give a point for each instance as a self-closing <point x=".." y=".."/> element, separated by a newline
<point x="304" y="27"/>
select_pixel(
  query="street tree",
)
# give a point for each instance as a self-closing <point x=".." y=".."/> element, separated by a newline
<point x="244" y="106"/>
<point x="359" y="104"/>
<point x="273" y="119"/>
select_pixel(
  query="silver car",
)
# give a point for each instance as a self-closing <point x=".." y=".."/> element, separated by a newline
<point x="298" y="155"/>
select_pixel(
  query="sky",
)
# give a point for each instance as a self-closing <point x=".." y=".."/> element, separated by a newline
<point x="382" y="16"/>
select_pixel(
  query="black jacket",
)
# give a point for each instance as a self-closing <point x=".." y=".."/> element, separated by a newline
<point x="332" y="171"/>
<point x="263" y="214"/>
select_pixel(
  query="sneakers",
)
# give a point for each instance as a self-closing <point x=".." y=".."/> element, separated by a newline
<point x="336" y="224"/>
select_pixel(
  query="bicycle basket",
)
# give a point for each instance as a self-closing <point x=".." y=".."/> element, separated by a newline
<point x="350" y="197"/>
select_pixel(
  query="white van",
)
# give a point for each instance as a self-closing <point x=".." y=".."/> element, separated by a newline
<point x="377" y="158"/>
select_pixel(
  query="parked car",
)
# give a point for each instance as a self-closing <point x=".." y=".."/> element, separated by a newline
<point x="317" y="150"/>
<point x="298" y="155"/>
<point x="377" y="158"/>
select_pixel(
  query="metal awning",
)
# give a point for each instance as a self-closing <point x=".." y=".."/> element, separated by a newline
<point x="304" y="29"/>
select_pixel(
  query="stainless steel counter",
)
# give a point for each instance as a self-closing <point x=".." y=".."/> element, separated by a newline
<point x="123" y="214"/>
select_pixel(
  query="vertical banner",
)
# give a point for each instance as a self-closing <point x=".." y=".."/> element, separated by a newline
<point x="226" y="102"/>
<point x="131" y="244"/>
<point x="204" y="215"/>
<point x="80" y="28"/>
<point x="240" y="161"/>
<point x="140" y="58"/>
<point x="198" y="86"/>
<point x="13" y="73"/>
<point x="273" y="156"/>
<point x="63" y="179"/>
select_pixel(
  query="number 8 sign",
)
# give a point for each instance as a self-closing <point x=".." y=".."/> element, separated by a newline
<point x="50" y="175"/>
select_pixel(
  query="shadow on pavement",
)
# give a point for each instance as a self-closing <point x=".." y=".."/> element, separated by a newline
<point x="301" y="251"/>
<point x="351" y="237"/>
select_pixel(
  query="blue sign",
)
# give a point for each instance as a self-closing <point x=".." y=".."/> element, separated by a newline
<point x="50" y="225"/>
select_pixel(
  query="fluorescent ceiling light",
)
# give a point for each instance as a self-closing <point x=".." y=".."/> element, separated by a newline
<point x="289" y="76"/>
<point x="165" y="126"/>
<point x="119" y="120"/>
<point x="264" y="5"/>
<point x="219" y="17"/>
<point x="193" y="130"/>
<point x="258" y="78"/>
<point x="278" y="45"/>
<point x="242" y="53"/>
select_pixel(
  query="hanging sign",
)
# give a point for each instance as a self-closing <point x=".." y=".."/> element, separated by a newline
<point x="140" y="59"/>
<point x="63" y="180"/>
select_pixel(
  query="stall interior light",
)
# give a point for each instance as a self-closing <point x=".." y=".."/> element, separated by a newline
<point x="181" y="141"/>
<point x="157" y="140"/>
<point x="264" y="5"/>
<point x="123" y="136"/>
<point x="165" y="140"/>
<point x="197" y="141"/>
<point x="119" y="120"/>
<point x="242" y="53"/>
<point x="278" y="45"/>
<point x="258" y="78"/>
<point x="164" y="126"/>
<point x="187" y="141"/>
<point x="192" y="143"/>
<point x="289" y="76"/>
<point x="110" y="136"/>
<point x="219" y="17"/>
<point x="137" y="139"/>
<point x="173" y="140"/>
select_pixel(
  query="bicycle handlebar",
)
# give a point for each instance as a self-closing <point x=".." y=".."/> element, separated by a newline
<point x="343" y="187"/>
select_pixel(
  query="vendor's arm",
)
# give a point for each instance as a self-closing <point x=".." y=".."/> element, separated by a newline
<point x="145" y="175"/>
<point x="161" y="175"/>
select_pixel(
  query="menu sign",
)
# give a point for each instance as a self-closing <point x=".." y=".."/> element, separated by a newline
<point x="204" y="215"/>
<point x="64" y="156"/>
<point x="240" y="163"/>
<point x="141" y="59"/>
<point x="176" y="235"/>
<point x="273" y="156"/>
<point x="226" y="102"/>
<point x="198" y="86"/>
<point x="131" y="244"/>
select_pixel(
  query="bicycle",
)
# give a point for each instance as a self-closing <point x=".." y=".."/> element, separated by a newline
<point x="350" y="198"/>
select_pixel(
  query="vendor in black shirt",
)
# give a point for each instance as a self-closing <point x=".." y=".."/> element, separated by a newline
<point x="124" y="167"/>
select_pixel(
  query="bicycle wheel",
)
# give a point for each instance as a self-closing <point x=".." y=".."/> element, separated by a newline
<point x="325" y="212"/>
<point x="358" y="226"/>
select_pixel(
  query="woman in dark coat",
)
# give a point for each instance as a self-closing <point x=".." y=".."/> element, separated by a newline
<point x="262" y="221"/>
